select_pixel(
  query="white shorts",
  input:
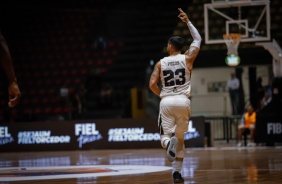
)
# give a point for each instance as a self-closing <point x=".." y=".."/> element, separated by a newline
<point x="174" y="111"/>
<point x="241" y="126"/>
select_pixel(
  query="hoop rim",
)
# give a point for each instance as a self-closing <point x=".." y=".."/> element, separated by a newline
<point x="236" y="37"/>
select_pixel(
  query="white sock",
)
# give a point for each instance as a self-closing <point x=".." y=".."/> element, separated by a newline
<point x="177" y="166"/>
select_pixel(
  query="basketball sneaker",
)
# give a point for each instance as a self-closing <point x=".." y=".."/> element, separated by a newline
<point x="251" y="144"/>
<point x="240" y="144"/>
<point x="171" y="149"/>
<point x="177" y="178"/>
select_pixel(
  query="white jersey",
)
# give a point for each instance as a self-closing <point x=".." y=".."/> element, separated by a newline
<point x="175" y="76"/>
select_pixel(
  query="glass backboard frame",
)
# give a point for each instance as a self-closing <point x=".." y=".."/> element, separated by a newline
<point x="218" y="6"/>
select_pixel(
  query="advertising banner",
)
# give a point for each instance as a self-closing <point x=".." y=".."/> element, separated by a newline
<point x="268" y="129"/>
<point x="91" y="134"/>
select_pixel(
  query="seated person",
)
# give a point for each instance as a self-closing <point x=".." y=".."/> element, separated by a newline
<point x="248" y="124"/>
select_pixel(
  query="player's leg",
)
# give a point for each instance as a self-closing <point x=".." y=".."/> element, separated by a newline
<point x="240" y="133"/>
<point x="252" y="135"/>
<point x="166" y="127"/>
<point x="252" y="132"/>
<point x="182" y="112"/>
<point x="165" y="135"/>
<point x="177" y="167"/>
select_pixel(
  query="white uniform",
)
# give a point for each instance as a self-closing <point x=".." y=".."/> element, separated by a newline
<point x="175" y="104"/>
<point x="175" y="76"/>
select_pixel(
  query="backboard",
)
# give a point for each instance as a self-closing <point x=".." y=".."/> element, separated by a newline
<point x="250" y="18"/>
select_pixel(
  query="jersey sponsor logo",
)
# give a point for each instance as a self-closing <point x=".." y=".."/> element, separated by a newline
<point x="63" y="172"/>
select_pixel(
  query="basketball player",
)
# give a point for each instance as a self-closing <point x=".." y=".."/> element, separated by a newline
<point x="7" y="64"/>
<point x="174" y="72"/>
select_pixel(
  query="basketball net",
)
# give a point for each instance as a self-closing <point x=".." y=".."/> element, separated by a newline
<point x="232" y="41"/>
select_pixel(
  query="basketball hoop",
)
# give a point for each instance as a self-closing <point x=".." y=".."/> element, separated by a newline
<point x="232" y="42"/>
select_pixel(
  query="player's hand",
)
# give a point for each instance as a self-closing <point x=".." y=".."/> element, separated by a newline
<point x="182" y="15"/>
<point x="14" y="94"/>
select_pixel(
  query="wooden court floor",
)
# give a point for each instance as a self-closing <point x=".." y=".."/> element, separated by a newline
<point x="226" y="165"/>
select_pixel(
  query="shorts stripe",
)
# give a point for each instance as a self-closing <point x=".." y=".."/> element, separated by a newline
<point x="160" y="125"/>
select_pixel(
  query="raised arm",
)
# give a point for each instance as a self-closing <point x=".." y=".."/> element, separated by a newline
<point x="194" y="48"/>
<point x="6" y="63"/>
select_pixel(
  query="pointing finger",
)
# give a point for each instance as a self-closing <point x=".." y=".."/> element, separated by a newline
<point x="180" y="10"/>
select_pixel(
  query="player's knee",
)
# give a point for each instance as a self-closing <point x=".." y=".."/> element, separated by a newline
<point x="180" y="135"/>
<point x="181" y="130"/>
<point x="240" y="127"/>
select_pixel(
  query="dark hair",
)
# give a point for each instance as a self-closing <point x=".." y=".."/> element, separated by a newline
<point x="177" y="42"/>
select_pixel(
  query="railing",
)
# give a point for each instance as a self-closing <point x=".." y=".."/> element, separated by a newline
<point x="224" y="127"/>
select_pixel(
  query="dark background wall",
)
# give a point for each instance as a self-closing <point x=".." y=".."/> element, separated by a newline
<point x="52" y="45"/>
